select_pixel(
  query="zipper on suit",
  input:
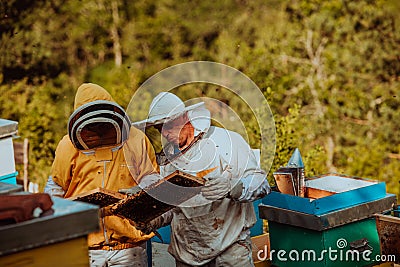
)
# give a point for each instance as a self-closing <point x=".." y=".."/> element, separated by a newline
<point x="103" y="185"/>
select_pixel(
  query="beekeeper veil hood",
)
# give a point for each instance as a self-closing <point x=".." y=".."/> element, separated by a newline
<point x="167" y="106"/>
<point x="97" y="120"/>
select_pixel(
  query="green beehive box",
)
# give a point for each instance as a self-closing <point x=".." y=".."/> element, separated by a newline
<point x="295" y="246"/>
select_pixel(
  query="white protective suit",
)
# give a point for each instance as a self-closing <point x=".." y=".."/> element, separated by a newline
<point x="202" y="230"/>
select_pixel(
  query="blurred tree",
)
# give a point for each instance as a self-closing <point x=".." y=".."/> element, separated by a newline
<point x="41" y="111"/>
<point x="333" y="67"/>
<point x="349" y="47"/>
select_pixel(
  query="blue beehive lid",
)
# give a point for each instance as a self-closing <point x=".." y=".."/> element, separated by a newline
<point x="328" y="220"/>
<point x="336" y="192"/>
<point x="10" y="178"/>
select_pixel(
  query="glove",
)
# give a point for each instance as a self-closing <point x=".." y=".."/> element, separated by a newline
<point x="106" y="211"/>
<point x="53" y="189"/>
<point x="146" y="228"/>
<point x="220" y="187"/>
<point x="150" y="227"/>
<point x="130" y="191"/>
<point x="236" y="191"/>
<point x="216" y="188"/>
<point x="146" y="181"/>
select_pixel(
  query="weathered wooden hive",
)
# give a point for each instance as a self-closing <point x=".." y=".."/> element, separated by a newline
<point x="158" y="198"/>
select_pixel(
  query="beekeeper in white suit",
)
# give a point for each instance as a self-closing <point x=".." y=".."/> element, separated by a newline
<point x="212" y="228"/>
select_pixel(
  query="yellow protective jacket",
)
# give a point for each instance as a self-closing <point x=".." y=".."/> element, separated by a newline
<point x="78" y="172"/>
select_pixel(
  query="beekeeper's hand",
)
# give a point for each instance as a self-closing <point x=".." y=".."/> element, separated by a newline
<point x="106" y="211"/>
<point x="216" y="188"/>
<point x="147" y="228"/>
<point x="153" y="225"/>
<point x="220" y="187"/>
<point x="130" y="191"/>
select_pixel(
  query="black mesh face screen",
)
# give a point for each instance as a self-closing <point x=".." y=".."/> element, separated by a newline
<point x="99" y="135"/>
<point x="98" y="124"/>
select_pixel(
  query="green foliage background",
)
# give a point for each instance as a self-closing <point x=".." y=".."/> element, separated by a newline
<point x="329" y="69"/>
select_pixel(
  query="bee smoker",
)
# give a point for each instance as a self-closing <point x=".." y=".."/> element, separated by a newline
<point x="290" y="179"/>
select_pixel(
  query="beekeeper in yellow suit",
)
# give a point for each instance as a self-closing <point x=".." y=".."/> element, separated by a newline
<point x="103" y="150"/>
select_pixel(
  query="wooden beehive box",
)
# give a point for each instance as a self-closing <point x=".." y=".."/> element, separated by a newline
<point x="389" y="235"/>
<point x="27" y="243"/>
<point x="158" y="198"/>
<point x="99" y="196"/>
<point x="328" y="193"/>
